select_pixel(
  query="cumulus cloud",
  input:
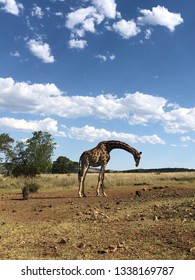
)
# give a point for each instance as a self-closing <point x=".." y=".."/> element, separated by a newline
<point x="46" y="124"/>
<point x="41" y="50"/>
<point x="106" y="7"/>
<point x="144" y="108"/>
<point x="86" y="133"/>
<point x="87" y="19"/>
<point x="180" y="120"/>
<point x="160" y="16"/>
<point x="83" y="20"/>
<point x="136" y="108"/>
<point x="11" y="6"/>
<point x="37" y="11"/>
<point x="126" y="29"/>
<point x="24" y="97"/>
<point x="90" y="133"/>
<point x="77" y="43"/>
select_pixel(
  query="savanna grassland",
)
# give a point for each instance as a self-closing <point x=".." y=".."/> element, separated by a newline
<point x="54" y="223"/>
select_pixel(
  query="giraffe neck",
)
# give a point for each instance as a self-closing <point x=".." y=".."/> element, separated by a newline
<point x="110" y="145"/>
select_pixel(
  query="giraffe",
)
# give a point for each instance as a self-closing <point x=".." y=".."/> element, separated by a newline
<point x="100" y="156"/>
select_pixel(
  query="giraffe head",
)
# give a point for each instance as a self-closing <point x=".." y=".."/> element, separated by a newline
<point x="137" y="157"/>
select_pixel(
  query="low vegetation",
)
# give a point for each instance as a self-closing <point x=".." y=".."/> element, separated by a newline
<point x="55" y="224"/>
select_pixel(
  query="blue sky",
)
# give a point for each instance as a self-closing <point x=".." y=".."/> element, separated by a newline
<point x="95" y="70"/>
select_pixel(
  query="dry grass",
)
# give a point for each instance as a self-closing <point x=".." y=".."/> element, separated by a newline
<point x="55" y="224"/>
<point x="58" y="181"/>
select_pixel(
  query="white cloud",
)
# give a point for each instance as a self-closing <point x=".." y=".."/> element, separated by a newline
<point x="160" y="16"/>
<point x="187" y="139"/>
<point x="77" y="44"/>
<point x="59" y="14"/>
<point x="46" y="124"/>
<point x="86" y="133"/>
<point x="37" y="11"/>
<point x="25" y="97"/>
<point x="126" y="29"/>
<point x="136" y="108"/>
<point x="41" y="50"/>
<point x="112" y="56"/>
<point x="87" y="19"/>
<point x="148" y="33"/>
<point x="15" y="54"/>
<point x="90" y="133"/>
<point x="83" y="20"/>
<point x="101" y="57"/>
<point x="143" y="108"/>
<point x="180" y="120"/>
<point x="79" y="16"/>
<point x="106" y="7"/>
<point x="104" y="58"/>
<point x="11" y="6"/>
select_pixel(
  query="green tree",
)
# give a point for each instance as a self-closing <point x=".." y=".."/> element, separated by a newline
<point x="34" y="155"/>
<point x="6" y="143"/>
<point x="64" y="165"/>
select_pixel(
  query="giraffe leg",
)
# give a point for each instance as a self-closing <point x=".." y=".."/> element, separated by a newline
<point x="81" y="182"/>
<point x="80" y="179"/>
<point x="101" y="182"/>
<point x="98" y="185"/>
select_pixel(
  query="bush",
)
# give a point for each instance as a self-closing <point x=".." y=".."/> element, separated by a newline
<point x="33" y="187"/>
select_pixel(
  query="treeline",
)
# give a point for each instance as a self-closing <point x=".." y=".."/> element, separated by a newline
<point x="64" y="165"/>
<point x="32" y="156"/>
<point x="29" y="157"/>
<point x="155" y="170"/>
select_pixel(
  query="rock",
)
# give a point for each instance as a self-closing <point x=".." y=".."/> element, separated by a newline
<point x="192" y="250"/>
<point x="156" y="206"/>
<point x="145" y="189"/>
<point x="104" y="251"/>
<point x="81" y="245"/>
<point x="112" y="248"/>
<point x="120" y="245"/>
<point x="62" y="241"/>
<point x="138" y="193"/>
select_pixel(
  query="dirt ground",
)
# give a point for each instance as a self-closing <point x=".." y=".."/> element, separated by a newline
<point x="158" y="224"/>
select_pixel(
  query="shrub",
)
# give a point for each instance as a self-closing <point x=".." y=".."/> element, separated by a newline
<point x="33" y="187"/>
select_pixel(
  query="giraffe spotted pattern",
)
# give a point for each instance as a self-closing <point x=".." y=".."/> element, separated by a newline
<point x="100" y="156"/>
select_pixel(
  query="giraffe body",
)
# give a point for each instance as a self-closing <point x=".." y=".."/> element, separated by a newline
<point x="100" y="156"/>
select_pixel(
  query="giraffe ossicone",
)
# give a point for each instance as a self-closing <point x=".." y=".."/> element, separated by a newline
<point x="100" y="156"/>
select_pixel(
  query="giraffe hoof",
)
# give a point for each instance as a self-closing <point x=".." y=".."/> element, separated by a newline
<point x="81" y="195"/>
